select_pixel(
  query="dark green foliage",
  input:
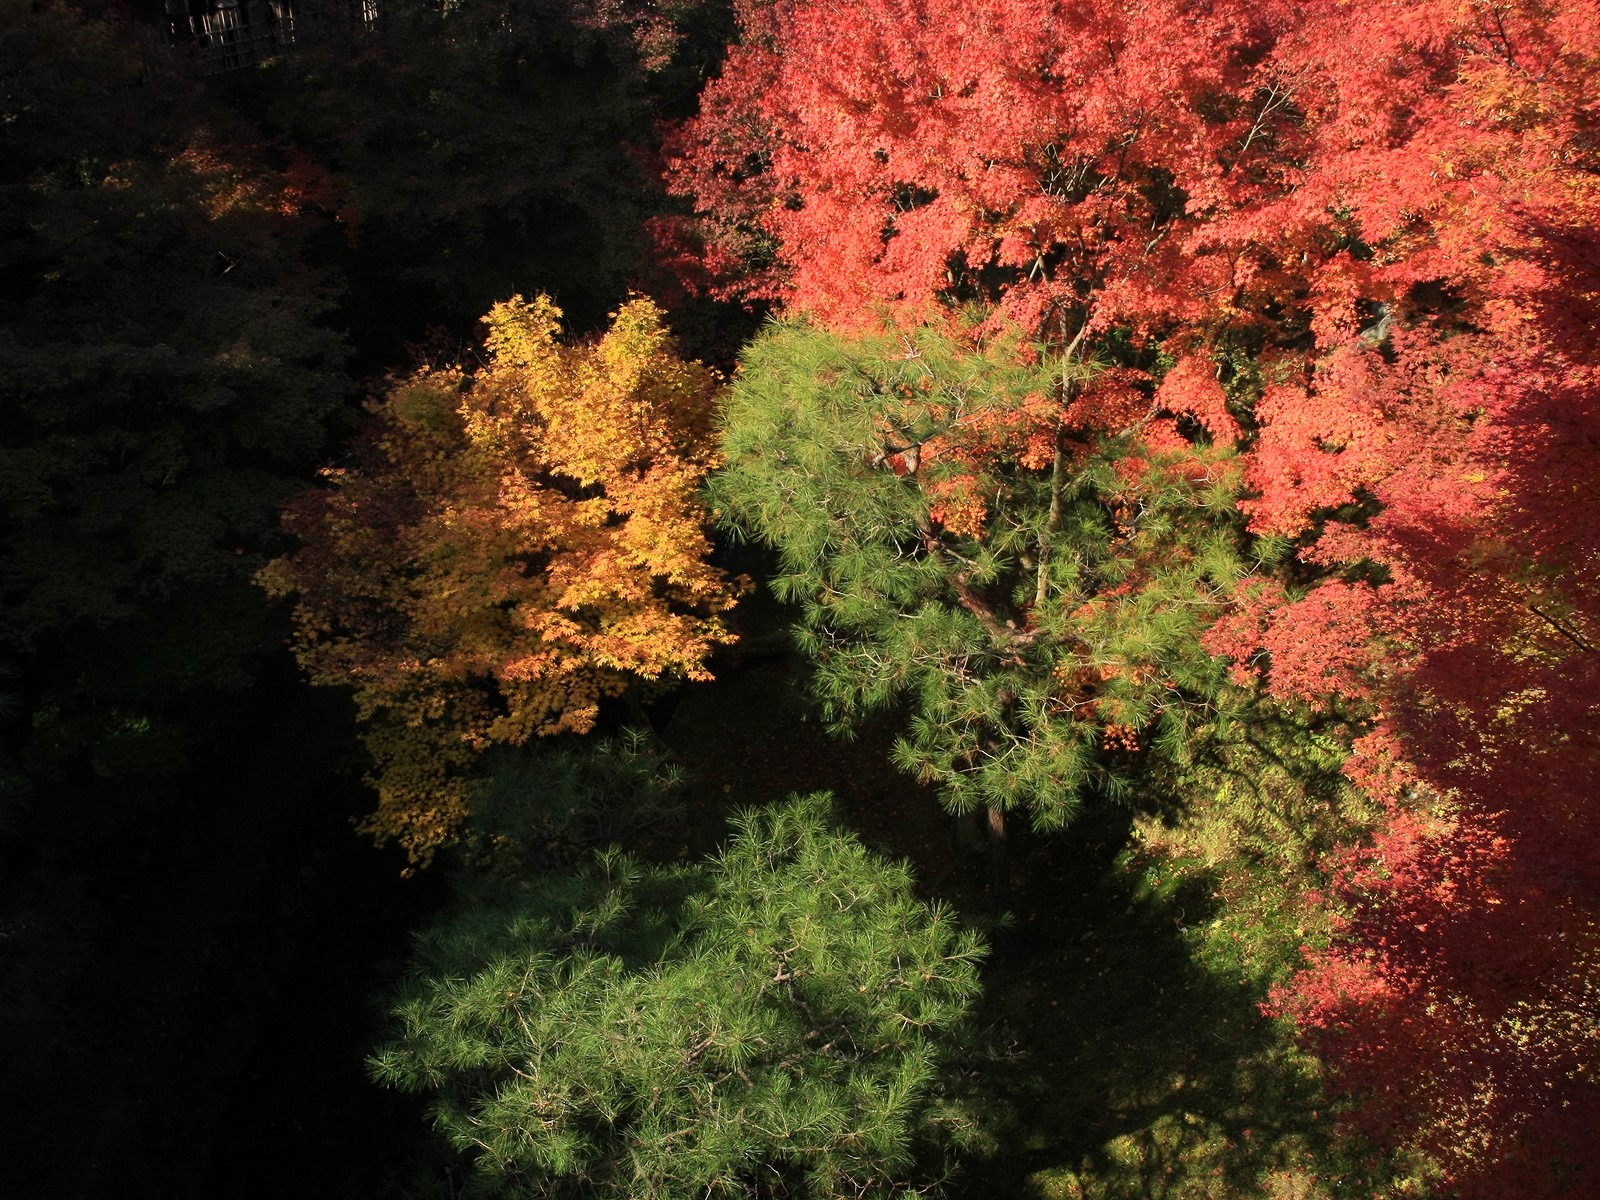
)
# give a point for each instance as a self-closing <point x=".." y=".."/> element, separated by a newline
<point x="1158" y="1074"/>
<point x="775" y="1022"/>
<point x="1146" y="1068"/>
<point x="1266" y="785"/>
<point x="1031" y="591"/>
<point x="478" y="150"/>
<point x="166" y="380"/>
<point x="536" y="810"/>
<point x="1140" y="1064"/>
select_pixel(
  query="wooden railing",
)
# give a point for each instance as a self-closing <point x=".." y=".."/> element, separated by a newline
<point x="241" y="33"/>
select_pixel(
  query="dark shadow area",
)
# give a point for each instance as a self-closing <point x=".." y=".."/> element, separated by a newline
<point x="188" y="976"/>
<point x="1138" y="1070"/>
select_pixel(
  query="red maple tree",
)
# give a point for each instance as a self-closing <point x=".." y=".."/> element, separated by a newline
<point x="1461" y="1000"/>
<point x="1375" y="225"/>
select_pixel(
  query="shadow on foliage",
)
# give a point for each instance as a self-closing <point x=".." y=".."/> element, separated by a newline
<point x="1142" y="1065"/>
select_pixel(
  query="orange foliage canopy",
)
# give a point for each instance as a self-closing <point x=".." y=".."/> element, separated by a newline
<point x="518" y="541"/>
<point x="1377" y="223"/>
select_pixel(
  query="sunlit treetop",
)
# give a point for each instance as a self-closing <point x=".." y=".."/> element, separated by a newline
<point x="516" y="542"/>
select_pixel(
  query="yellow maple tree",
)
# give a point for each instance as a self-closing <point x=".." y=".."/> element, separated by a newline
<point x="518" y="541"/>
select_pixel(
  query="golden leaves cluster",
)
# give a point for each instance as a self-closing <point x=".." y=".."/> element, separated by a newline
<point x="519" y="542"/>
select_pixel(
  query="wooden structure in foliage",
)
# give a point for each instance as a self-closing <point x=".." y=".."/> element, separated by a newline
<point x="242" y="33"/>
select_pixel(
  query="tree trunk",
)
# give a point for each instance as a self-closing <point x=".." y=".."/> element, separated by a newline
<point x="999" y="860"/>
<point x="1058" y="478"/>
<point x="636" y="710"/>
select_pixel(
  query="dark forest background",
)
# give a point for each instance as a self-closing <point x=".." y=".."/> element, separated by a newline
<point x="210" y="248"/>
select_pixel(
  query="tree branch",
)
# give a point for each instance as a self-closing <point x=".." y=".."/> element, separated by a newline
<point x="1002" y="630"/>
<point x="1561" y="628"/>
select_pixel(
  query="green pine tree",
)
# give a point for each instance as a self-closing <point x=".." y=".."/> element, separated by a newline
<point x="958" y="540"/>
<point x="779" y="1021"/>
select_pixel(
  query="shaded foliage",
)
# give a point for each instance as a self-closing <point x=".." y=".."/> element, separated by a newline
<point x="534" y="812"/>
<point x="168" y="376"/>
<point x="480" y="149"/>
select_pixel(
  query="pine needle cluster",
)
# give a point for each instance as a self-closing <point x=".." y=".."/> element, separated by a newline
<point x="965" y="533"/>
<point x="777" y="1021"/>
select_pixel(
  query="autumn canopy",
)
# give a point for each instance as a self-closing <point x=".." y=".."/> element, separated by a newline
<point x="1360" y="239"/>
<point x="1157" y="394"/>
